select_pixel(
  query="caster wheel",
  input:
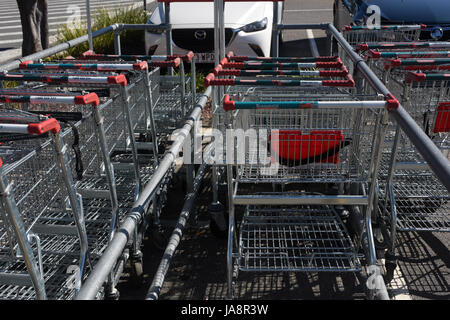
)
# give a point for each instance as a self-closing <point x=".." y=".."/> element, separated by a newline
<point x="137" y="273"/>
<point x="158" y="238"/>
<point x="391" y="265"/>
<point x="114" y="294"/>
<point x="218" y="222"/>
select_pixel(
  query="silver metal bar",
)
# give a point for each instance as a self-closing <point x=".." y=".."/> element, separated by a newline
<point x="301" y="199"/>
<point x="175" y="238"/>
<point x="168" y="33"/>
<point x="89" y="24"/>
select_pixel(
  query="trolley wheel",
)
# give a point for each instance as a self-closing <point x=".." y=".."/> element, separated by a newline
<point x="390" y="265"/>
<point x="137" y="269"/>
<point x="114" y="294"/>
<point x="218" y="223"/>
<point x="216" y="230"/>
<point x="158" y="238"/>
<point x="137" y="273"/>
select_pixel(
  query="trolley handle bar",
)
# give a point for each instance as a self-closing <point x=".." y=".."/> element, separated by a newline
<point x="90" y="55"/>
<point x="269" y="65"/>
<point x="49" y="125"/>
<point x="399" y="45"/>
<point x="231" y="57"/>
<point x="389" y="63"/>
<point x="421" y="77"/>
<point x="67" y="79"/>
<point x="186" y="57"/>
<point x="210" y="80"/>
<point x="229" y="105"/>
<point x="166" y="64"/>
<point x="373" y="54"/>
<point x="139" y="66"/>
<point x="388" y="27"/>
<point x="87" y="99"/>
<point x="219" y="71"/>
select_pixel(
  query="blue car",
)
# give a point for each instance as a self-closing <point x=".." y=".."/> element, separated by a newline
<point x="434" y="13"/>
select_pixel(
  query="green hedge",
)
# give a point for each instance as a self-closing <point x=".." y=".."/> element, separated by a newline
<point x="131" y="41"/>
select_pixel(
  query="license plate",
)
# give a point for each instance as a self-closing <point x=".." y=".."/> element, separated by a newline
<point x="204" y="57"/>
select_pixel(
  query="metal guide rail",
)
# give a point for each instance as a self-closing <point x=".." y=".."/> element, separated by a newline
<point x="311" y="129"/>
<point x="176" y="94"/>
<point x="44" y="251"/>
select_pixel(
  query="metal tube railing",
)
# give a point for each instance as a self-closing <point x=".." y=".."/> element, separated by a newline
<point x="177" y="234"/>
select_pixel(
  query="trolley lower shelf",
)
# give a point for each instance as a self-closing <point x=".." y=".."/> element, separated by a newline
<point x="422" y="202"/>
<point x="300" y="238"/>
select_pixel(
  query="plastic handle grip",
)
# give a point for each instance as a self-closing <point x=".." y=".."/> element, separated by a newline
<point x="87" y="54"/>
<point x="165" y="64"/>
<point x="24" y="65"/>
<point x="119" y="79"/>
<point x="228" y="105"/>
<point x="391" y="102"/>
<point x="143" y="65"/>
<point x="232" y="65"/>
<point x="50" y="125"/>
<point x="189" y="56"/>
<point x="90" y="98"/>
<point x="211" y="81"/>
<point x="415" y="77"/>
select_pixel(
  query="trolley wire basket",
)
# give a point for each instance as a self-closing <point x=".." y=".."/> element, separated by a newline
<point x="388" y="33"/>
<point x="298" y="122"/>
<point x="44" y="246"/>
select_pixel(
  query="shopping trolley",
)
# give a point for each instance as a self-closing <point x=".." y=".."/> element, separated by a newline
<point x="414" y="198"/>
<point x="375" y="59"/>
<point x="176" y="94"/>
<point x="391" y="33"/>
<point x="42" y="225"/>
<point x="318" y="133"/>
<point x="435" y="45"/>
<point x="109" y="184"/>
<point x="139" y="92"/>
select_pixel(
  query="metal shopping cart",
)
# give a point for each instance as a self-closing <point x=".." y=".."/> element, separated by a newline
<point x="389" y="33"/>
<point x="176" y="94"/>
<point x="138" y="92"/>
<point x="110" y="182"/>
<point x="414" y="198"/>
<point x="44" y="240"/>
<point x="304" y="134"/>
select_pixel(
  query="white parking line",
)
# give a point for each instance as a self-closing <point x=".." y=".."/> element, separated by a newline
<point x="397" y="288"/>
<point x="312" y="43"/>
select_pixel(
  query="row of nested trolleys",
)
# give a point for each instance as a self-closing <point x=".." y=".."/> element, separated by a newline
<point x="325" y="152"/>
<point x="79" y="140"/>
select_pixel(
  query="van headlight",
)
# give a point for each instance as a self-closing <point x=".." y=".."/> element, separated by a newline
<point x="254" y="26"/>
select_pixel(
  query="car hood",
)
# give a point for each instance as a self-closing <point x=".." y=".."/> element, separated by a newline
<point x="414" y="11"/>
<point x="201" y="14"/>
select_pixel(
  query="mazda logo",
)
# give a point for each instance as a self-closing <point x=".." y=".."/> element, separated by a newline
<point x="200" y="34"/>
